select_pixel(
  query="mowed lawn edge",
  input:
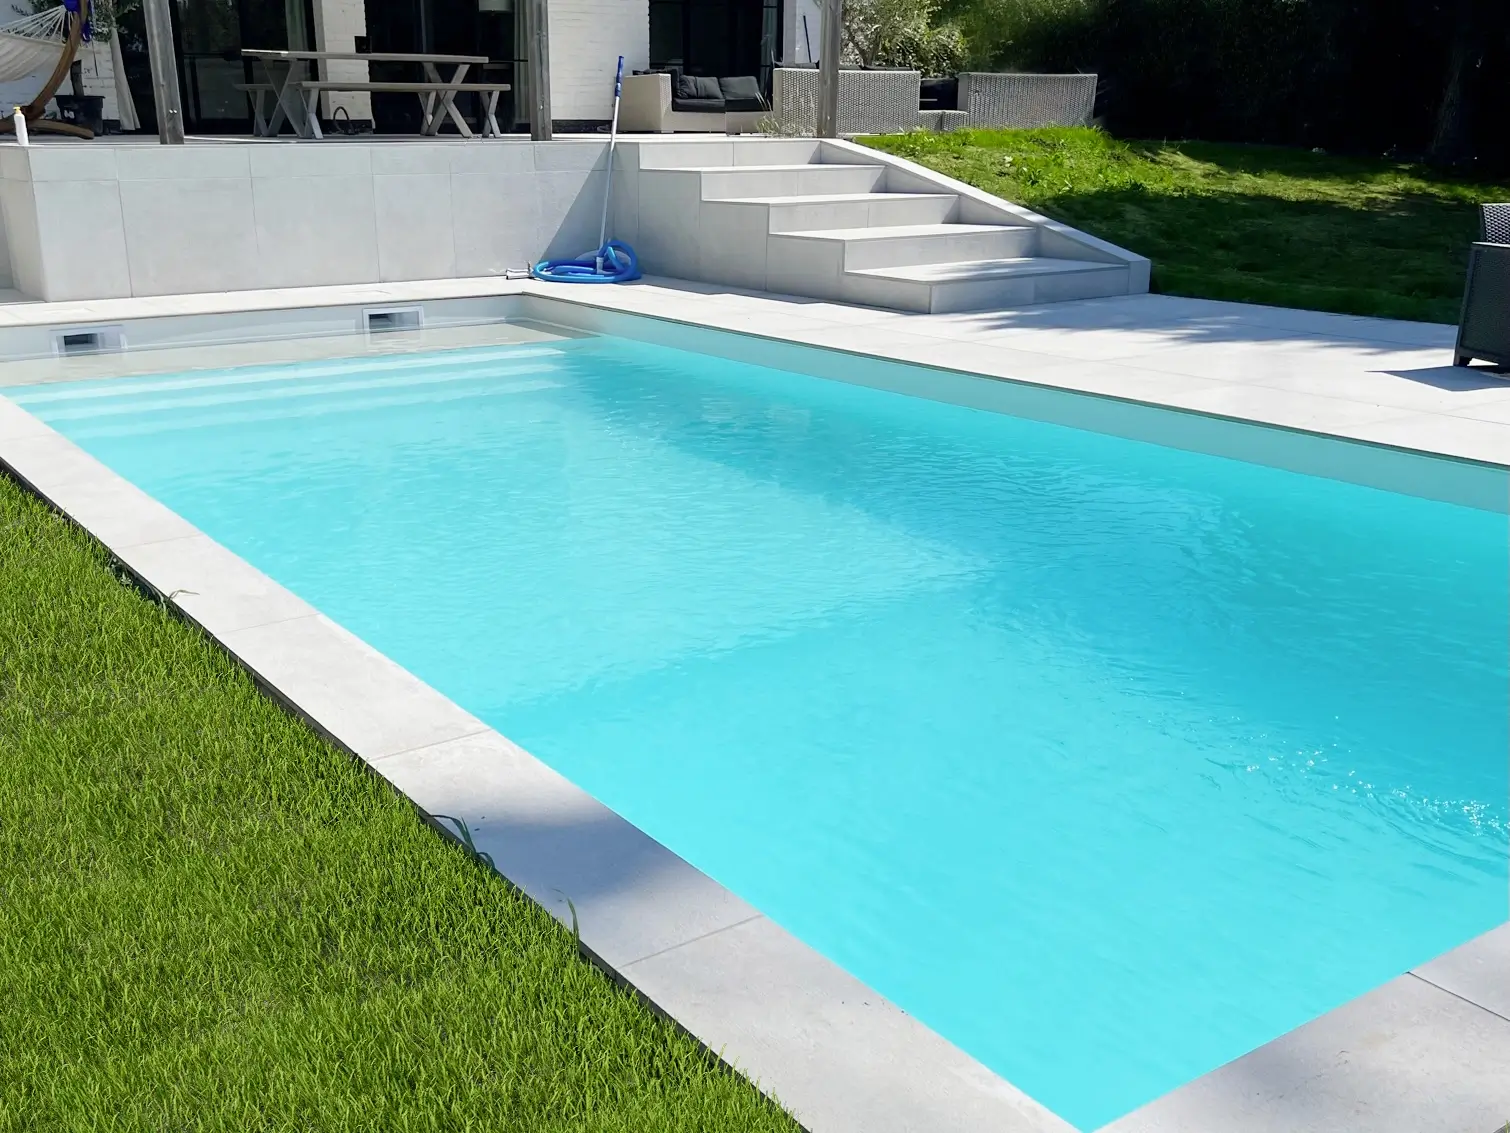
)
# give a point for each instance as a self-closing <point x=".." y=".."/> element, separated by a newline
<point x="213" y="919"/>
<point x="1247" y="223"/>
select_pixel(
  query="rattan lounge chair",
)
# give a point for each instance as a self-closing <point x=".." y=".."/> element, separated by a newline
<point x="1484" y="327"/>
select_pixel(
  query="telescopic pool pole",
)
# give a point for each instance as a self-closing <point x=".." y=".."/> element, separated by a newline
<point x="613" y="136"/>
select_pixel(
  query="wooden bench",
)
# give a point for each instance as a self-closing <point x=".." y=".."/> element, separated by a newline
<point x="437" y="101"/>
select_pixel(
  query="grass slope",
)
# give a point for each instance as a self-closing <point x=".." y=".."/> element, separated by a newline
<point x="1257" y="224"/>
<point x="210" y="919"/>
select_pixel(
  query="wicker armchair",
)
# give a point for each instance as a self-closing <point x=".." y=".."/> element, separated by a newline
<point x="1494" y="224"/>
<point x="1484" y="328"/>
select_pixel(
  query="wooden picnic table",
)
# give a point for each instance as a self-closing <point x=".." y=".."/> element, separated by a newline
<point x="297" y="93"/>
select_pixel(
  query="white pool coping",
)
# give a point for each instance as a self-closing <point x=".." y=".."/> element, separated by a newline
<point x="1425" y="1051"/>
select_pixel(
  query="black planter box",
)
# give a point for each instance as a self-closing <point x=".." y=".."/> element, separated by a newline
<point x="86" y="110"/>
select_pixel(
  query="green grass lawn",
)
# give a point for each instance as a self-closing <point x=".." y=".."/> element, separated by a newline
<point x="210" y="919"/>
<point x="1257" y="224"/>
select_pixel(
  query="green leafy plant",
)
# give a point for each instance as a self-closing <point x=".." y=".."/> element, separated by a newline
<point x="104" y="15"/>
<point x="901" y="33"/>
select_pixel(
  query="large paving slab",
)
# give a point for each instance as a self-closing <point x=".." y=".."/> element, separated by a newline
<point x="1407" y="1057"/>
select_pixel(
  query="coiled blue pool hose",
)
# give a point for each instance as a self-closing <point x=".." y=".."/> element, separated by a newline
<point x="614" y="262"/>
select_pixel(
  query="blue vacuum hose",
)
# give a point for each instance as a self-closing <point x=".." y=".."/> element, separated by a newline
<point x="614" y="262"/>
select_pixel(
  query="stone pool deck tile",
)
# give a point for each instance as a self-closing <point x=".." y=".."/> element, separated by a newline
<point x="631" y="896"/>
<point x="1422" y="386"/>
<point x="1496" y="410"/>
<point x="1478" y="972"/>
<point x="116" y="511"/>
<point x="1407" y="1057"/>
<point x="1312" y="412"/>
<point x="48" y="460"/>
<point x="1311" y="366"/>
<point x="358" y="696"/>
<point x="16" y="423"/>
<point x="218" y="589"/>
<point x="835" y="1053"/>
<point x="1447" y="434"/>
<point x="1104" y="344"/>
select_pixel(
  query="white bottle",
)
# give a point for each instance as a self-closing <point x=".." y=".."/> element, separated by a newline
<point x="20" y="121"/>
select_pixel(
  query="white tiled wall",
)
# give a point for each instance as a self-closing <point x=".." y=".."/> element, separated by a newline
<point x="98" y="221"/>
<point x="586" y="39"/>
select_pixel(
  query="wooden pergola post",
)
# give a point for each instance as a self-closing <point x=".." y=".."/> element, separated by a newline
<point x="537" y="21"/>
<point x="170" y="111"/>
<point x="830" y="47"/>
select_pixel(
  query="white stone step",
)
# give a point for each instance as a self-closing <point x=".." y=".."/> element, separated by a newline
<point x="851" y="210"/>
<point x="939" y="288"/>
<point x="689" y="152"/>
<point x="729" y="182"/>
<point x="910" y="244"/>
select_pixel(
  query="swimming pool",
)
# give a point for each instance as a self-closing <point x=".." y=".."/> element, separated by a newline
<point x="1108" y="761"/>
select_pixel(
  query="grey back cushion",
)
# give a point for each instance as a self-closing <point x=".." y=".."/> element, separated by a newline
<point x="697" y="86"/>
<point x="742" y="92"/>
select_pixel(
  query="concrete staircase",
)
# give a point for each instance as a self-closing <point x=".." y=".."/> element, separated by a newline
<point x="834" y="220"/>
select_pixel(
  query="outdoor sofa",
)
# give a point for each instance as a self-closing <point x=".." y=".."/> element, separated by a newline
<point x="661" y="102"/>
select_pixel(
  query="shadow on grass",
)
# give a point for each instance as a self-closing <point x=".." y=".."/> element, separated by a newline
<point x="1347" y="172"/>
<point x="1400" y="255"/>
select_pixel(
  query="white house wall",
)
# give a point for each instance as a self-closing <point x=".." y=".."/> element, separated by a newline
<point x="799" y="41"/>
<point x="337" y="24"/>
<point x="586" y="39"/>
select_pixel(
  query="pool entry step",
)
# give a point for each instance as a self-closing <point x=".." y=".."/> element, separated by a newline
<point x="833" y="220"/>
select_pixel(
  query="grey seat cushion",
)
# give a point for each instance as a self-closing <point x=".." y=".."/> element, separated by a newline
<point x="698" y="105"/>
<point x="741" y="93"/>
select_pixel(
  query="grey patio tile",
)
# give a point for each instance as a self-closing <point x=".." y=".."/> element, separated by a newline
<point x="1478" y="971"/>
<point x="633" y="897"/>
<point x="115" y="511"/>
<point x="1496" y="408"/>
<point x="1450" y="435"/>
<point x="835" y="1053"/>
<point x="361" y="698"/>
<point x="1282" y="360"/>
<point x="1402" y="382"/>
<point x="884" y="342"/>
<point x="1115" y="380"/>
<point x="218" y="589"/>
<point x="48" y="460"/>
<point x="1326" y="323"/>
<point x="16" y="423"/>
<point x="1405" y="1058"/>
<point x="1284" y="407"/>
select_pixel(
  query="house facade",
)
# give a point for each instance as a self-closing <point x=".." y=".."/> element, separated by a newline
<point x="709" y="37"/>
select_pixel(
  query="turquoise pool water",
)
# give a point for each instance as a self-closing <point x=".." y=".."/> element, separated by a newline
<point x="1109" y="762"/>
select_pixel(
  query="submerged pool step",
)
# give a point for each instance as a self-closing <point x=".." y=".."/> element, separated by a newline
<point x="297" y="379"/>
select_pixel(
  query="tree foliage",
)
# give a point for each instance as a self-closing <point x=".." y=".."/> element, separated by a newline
<point x="901" y="33"/>
<point x="1406" y="77"/>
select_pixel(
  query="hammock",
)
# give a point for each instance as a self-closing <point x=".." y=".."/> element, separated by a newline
<point x="32" y="43"/>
